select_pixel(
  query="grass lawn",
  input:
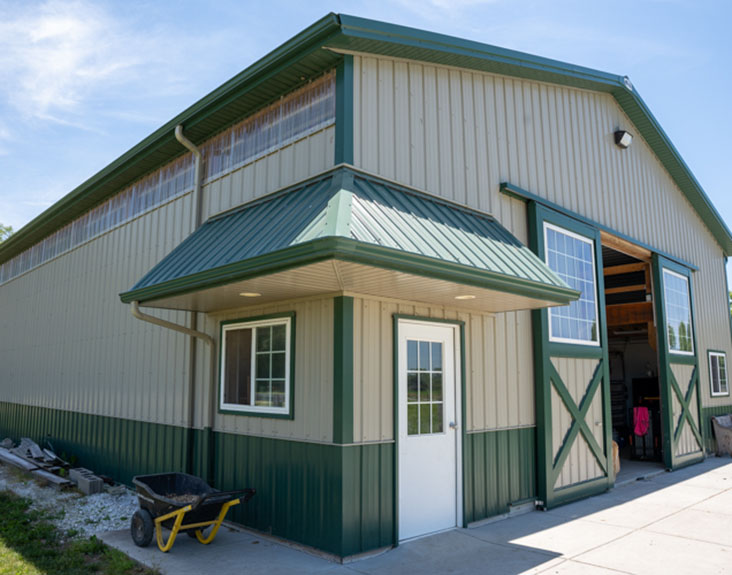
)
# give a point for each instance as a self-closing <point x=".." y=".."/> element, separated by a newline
<point x="30" y="544"/>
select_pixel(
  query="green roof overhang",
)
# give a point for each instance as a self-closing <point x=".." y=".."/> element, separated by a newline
<point x="348" y="216"/>
<point x="315" y="50"/>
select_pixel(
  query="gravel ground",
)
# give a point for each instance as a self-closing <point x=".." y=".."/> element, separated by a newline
<point x="79" y="516"/>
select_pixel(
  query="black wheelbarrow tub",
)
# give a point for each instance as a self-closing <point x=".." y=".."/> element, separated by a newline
<point x="162" y="493"/>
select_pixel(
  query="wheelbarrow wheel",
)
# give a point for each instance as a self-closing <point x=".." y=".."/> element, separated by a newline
<point x="142" y="528"/>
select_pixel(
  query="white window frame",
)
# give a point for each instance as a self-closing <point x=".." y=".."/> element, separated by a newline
<point x="720" y="393"/>
<point x="665" y="306"/>
<point x="591" y="242"/>
<point x="256" y="409"/>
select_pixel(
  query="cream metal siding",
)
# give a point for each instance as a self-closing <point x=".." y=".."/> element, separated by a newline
<point x="67" y="342"/>
<point x="499" y="394"/>
<point x="281" y="168"/>
<point x="581" y="464"/>
<point x="459" y="134"/>
<point x="313" y="374"/>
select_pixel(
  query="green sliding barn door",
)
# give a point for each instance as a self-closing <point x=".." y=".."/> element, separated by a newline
<point x="574" y="453"/>
<point x="678" y="371"/>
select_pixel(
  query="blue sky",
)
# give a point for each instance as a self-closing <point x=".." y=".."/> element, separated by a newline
<point x="83" y="81"/>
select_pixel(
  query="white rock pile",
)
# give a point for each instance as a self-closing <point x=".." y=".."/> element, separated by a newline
<point x="76" y="515"/>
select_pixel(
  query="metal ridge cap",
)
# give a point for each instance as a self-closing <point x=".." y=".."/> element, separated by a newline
<point x="355" y="26"/>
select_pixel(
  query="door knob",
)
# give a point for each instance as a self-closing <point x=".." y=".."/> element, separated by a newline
<point x="453" y="425"/>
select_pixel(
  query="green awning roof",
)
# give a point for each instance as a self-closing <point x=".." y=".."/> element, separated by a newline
<point x="352" y="217"/>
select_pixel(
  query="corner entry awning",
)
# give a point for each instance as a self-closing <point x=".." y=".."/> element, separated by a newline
<point x="347" y="231"/>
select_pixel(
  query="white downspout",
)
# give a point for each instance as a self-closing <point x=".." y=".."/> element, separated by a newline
<point x="209" y="341"/>
<point x="197" y="204"/>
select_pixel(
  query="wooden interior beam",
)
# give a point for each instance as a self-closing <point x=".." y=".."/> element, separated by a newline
<point x="624" y="246"/>
<point x="625" y="289"/>
<point x="629" y="313"/>
<point x="624" y="269"/>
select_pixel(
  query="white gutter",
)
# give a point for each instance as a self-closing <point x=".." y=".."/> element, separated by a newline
<point x="197" y="204"/>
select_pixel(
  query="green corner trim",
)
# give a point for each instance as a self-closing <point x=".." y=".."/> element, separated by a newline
<point x="343" y="379"/>
<point x="344" y="132"/>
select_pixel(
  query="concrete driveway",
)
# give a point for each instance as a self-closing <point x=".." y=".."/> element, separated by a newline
<point x="671" y="523"/>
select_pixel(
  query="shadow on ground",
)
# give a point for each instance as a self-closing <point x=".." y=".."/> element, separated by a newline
<point x="678" y="522"/>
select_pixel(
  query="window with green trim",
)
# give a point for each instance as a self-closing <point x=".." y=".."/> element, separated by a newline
<point x="572" y="257"/>
<point x="255" y="366"/>
<point x="678" y="313"/>
<point x="718" y="373"/>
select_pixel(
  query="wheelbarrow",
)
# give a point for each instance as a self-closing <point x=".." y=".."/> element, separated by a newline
<point x="167" y="499"/>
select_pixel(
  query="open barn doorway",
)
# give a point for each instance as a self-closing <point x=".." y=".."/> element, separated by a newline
<point x="633" y="358"/>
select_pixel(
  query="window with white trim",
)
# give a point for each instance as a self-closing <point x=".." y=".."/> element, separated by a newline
<point x="255" y="366"/>
<point x="678" y="313"/>
<point x="718" y="373"/>
<point x="572" y="257"/>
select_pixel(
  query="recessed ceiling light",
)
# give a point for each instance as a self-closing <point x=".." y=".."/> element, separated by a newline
<point x="466" y="296"/>
<point x="250" y="294"/>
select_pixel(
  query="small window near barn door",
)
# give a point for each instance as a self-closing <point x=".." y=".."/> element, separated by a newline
<point x="255" y="366"/>
<point x="718" y="373"/>
<point x="572" y="257"/>
<point x="678" y="313"/>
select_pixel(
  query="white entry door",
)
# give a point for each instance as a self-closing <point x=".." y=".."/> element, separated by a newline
<point x="429" y="486"/>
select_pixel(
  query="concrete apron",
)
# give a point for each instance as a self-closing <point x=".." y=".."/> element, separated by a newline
<point x="678" y="523"/>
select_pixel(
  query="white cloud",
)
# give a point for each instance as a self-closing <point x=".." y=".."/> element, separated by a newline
<point x="59" y="58"/>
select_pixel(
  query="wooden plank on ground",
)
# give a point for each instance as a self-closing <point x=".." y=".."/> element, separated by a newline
<point x="54" y="480"/>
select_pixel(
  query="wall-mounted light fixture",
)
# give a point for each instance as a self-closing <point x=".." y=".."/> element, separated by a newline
<point x="623" y="139"/>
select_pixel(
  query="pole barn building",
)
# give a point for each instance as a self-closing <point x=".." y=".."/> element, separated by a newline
<point x="395" y="281"/>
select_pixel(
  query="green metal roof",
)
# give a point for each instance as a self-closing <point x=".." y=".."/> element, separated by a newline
<point x="346" y="215"/>
<point x="304" y="57"/>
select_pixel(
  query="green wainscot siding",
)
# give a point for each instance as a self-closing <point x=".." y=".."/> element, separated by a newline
<point x="335" y="498"/>
<point x="710" y="444"/>
<point x="499" y="470"/>
<point x="120" y="448"/>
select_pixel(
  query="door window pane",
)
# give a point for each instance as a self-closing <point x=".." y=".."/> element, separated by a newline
<point x="424" y="387"/>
